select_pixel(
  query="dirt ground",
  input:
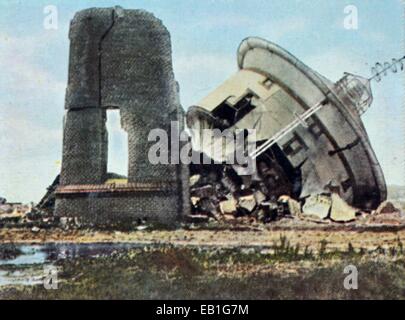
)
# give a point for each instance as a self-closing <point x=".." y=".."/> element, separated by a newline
<point x="261" y="238"/>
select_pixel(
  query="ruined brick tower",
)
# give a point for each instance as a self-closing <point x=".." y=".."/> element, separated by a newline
<point x="119" y="59"/>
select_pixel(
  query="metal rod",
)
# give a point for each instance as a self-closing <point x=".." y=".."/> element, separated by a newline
<point x="274" y="139"/>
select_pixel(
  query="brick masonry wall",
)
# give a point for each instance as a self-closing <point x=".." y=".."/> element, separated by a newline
<point x="118" y="210"/>
<point x="84" y="147"/>
<point x="120" y="59"/>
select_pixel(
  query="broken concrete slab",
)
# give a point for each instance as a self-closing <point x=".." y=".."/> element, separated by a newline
<point x="228" y="206"/>
<point x="247" y="202"/>
<point x="341" y="211"/>
<point x="317" y="206"/>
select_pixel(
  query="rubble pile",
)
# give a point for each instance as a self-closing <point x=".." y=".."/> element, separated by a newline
<point x="47" y="203"/>
<point x="218" y="193"/>
<point x="17" y="215"/>
<point x="12" y="212"/>
<point x="385" y="214"/>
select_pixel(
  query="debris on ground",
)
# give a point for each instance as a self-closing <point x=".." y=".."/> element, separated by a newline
<point x="218" y="193"/>
<point x="385" y="215"/>
<point x="35" y="229"/>
<point x="386" y="207"/>
<point x="317" y="206"/>
<point x="17" y="215"/>
<point x="228" y="206"/>
<point x="290" y="205"/>
<point x="387" y="219"/>
<point x="341" y="211"/>
<point x="47" y="203"/>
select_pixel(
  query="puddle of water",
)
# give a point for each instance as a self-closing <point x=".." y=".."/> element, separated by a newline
<point x="29" y="255"/>
<point x="28" y="267"/>
<point x="26" y="278"/>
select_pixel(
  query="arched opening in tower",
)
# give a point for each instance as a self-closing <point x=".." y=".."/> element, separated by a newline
<point x="117" y="165"/>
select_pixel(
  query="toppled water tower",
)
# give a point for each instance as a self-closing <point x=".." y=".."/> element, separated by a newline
<point x="119" y="59"/>
<point x="310" y="126"/>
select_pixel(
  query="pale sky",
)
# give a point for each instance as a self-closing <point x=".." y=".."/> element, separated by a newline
<point x="205" y="36"/>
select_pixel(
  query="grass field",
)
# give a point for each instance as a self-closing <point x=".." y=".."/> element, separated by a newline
<point x="285" y="271"/>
